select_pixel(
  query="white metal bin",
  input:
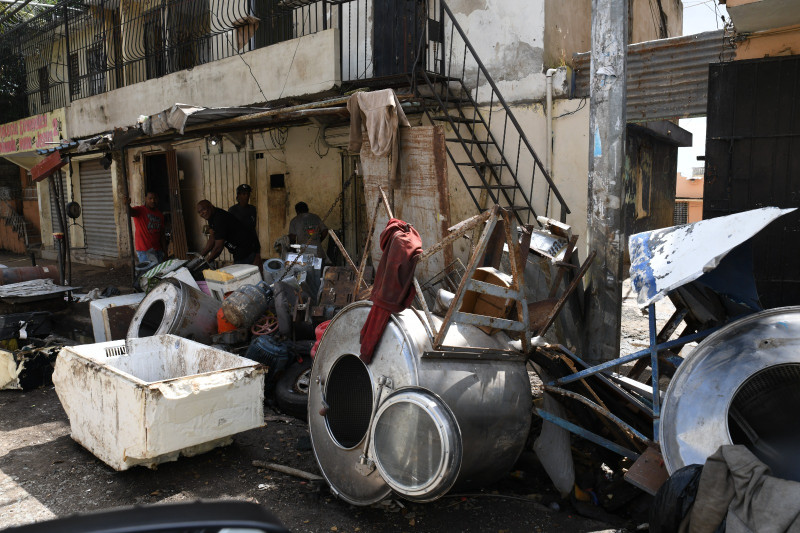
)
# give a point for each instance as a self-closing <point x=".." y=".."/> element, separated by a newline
<point x="156" y="398"/>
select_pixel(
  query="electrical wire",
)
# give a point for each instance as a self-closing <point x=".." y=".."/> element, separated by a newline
<point x="581" y="105"/>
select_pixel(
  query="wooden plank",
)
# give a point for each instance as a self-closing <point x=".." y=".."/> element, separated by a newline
<point x="422" y="199"/>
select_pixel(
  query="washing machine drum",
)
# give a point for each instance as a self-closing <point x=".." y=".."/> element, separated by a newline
<point x="416" y="444"/>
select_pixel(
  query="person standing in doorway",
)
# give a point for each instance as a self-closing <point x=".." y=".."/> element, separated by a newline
<point x="148" y="222"/>
<point x="227" y="231"/>
<point x="307" y="228"/>
<point x="243" y="210"/>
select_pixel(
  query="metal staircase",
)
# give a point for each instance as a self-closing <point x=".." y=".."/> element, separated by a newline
<point x="487" y="146"/>
<point x="25" y="230"/>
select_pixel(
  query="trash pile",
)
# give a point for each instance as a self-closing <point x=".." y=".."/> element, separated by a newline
<point x="418" y="387"/>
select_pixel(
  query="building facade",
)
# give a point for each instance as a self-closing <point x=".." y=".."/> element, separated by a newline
<point x="113" y="68"/>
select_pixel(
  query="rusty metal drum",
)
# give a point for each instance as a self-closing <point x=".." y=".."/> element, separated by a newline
<point x="415" y="421"/>
<point x="28" y="273"/>
<point x="173" y="307"/>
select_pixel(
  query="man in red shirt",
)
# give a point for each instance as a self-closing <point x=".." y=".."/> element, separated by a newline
<point x="149" y="225"/>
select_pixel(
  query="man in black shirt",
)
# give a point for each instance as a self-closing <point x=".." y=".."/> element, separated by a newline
<point x="243" y="210"/>
<point x="228" y="231"/>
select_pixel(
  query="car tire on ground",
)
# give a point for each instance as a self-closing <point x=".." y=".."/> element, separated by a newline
<point x="291" y="392"/>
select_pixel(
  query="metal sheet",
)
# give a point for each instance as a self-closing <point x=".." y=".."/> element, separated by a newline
<point x="665" y="259"/>
<point x="97" y="199"/>
<point x="28" y="291"/>
<point x="667" y="78"/>
<point x="705" y="390"/>
<point x="753" y="159"/>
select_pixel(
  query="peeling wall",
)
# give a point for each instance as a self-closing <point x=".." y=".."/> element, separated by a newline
<point x="772" y="43"/>
<point x="508" y="36"/>
<point x="518" y="40"/>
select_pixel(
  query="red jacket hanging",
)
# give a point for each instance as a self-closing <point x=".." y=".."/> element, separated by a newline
<point x="393" y="289"/>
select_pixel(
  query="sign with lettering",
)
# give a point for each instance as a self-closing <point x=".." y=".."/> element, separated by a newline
<point x="32" y="133"/>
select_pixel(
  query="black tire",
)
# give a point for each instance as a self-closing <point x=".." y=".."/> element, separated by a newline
<point x="291" y="393"/>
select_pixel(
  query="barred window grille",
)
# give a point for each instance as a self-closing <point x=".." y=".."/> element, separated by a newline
<point x="681" y="215"/>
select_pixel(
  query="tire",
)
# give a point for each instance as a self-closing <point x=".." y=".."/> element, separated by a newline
<point x="291" y="393"/>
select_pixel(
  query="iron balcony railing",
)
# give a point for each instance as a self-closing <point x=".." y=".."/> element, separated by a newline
<point x="73" y="50"/>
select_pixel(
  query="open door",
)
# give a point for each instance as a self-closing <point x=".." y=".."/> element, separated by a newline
<point x="179" y="245"/>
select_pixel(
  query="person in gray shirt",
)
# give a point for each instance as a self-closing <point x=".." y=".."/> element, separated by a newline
<point x="307" y="228"/>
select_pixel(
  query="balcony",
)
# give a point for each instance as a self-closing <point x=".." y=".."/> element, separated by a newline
<point x="207" y="52"/>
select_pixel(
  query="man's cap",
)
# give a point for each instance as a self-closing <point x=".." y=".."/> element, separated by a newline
<point x="243" y="188"/>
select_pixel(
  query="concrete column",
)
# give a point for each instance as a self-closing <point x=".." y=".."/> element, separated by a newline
<point x="606" y="163"/>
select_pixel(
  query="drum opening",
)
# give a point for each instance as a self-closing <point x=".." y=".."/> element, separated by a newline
<point x="349" y="395"/>
<point x="152" y="319"/>
<point x="763" y="417"/>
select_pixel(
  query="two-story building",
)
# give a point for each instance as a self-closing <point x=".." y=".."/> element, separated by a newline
<point x="263" y="83"/>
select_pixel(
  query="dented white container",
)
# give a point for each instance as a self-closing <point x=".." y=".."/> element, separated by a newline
<point x="156" y="398"/>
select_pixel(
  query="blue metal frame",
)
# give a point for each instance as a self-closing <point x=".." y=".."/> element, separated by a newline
<point x="654" y="409"/>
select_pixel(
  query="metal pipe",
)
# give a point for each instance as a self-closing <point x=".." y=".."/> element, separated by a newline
<point x="126" y="193"/>
<point x="548" y="152"/>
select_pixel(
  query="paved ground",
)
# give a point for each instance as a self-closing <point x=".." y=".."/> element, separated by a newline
<point x="44" y="473"/>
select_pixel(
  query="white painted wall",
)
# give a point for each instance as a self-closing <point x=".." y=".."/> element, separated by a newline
<point x="508" y="36"/>
<point x="570" y="165"/>
<point x="227" y="82"/>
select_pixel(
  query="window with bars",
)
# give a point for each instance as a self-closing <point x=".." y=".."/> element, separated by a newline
<point x="74" y="74"/>
<point x="681" y="215"/>
<point x="44" y="85"/>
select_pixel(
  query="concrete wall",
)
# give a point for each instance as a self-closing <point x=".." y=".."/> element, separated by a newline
<point x="567" y="32"/>
<point x="226" y="82"/>
<point x="508" y="36"/>
<point x="770" y="43"/>
<point x="518" y="40"/>
<point x="570" y="165"/>
<point x="644" y="13"/>
<point x="688" y="188"/>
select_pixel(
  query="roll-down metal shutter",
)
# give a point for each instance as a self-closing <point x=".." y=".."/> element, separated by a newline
<point x="98" y="209"/>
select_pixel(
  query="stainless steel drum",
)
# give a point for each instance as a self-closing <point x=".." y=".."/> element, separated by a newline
<point x="177" y="308"/>
<point x="741" y="385"/>
<point x="441" y="419"/>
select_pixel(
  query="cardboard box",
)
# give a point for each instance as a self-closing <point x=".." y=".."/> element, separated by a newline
<point x="484" y="304"/>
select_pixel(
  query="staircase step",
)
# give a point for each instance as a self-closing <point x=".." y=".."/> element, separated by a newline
<point x="460" y="120"/>
<point x="468" y="141"/>
<point x="481" y="164"/>
<point x="490" y="186"/>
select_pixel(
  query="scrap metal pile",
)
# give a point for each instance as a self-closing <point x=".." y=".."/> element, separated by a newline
<point x="444" y="400"/>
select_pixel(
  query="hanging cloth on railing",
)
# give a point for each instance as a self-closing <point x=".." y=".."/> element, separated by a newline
<point x="383" y="114"/>
<point x="393" y="290"/>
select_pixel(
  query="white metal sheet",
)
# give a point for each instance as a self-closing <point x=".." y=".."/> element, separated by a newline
<point x="662" y="260"/>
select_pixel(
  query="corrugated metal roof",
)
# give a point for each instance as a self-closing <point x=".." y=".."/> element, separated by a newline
<point x="667" y="78"/>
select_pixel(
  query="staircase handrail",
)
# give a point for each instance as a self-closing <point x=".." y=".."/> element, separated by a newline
<point x="501" y="100"/>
